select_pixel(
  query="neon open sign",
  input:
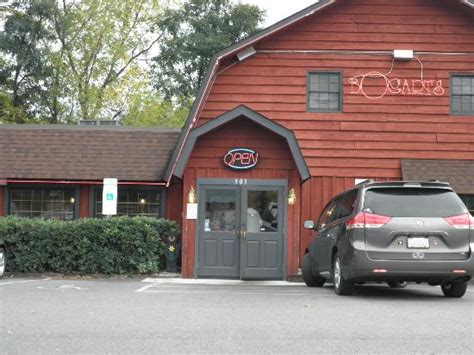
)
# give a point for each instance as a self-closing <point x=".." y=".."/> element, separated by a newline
<point x="241" y="158"/>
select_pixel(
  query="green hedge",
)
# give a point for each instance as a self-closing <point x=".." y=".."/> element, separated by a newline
<point x="119" y="245"/>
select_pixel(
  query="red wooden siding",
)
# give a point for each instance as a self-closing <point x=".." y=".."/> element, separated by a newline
<point x="368" y="139"/>
<point x="2" y="200"/>
<point x="84" y="202"/>
<point x="174" y="205"/>
<point x="275" y="162"/>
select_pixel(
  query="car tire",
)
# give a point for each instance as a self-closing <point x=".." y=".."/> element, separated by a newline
<point x="454" y="289"/>
<point x="342" y="287"/>
<point x="397" y="284"/>
<point x="309" y="279"/>
<point x="3" y="261"/>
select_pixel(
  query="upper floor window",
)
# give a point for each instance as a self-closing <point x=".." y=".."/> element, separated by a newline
<point x="462" y="94"/>
<point x="324" y="92"/>
<point x="49" y="203"/>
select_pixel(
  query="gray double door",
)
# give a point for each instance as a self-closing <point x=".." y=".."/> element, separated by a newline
<point x="240" y="231"/>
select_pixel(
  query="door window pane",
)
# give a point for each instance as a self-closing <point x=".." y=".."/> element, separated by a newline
<point x="220" y="211"/>
<point x="262" y="211"/>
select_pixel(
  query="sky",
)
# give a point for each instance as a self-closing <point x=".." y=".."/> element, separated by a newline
<point x="279" y="9"/>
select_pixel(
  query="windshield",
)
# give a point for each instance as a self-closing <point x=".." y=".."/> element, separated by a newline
<point x="413" y="202"/>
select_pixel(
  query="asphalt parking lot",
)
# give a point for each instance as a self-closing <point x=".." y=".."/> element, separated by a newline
<point x="160" y="315"/>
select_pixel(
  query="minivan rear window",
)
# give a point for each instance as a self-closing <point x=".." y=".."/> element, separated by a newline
<point x="413" y="202"/>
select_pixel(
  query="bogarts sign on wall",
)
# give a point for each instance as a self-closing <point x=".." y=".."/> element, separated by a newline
<point x="241" y="159"/>
<point x="375" y="85"/>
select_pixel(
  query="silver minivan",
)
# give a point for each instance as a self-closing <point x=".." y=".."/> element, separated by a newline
<point x="394" y="232"/>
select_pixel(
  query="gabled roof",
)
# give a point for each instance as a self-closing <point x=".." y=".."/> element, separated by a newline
<point x="243" y="111"/>
<point x="61" y="152"/>
<point x="238" y="47"/>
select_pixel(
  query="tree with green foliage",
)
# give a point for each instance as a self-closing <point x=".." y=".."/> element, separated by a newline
<point x="193" y="33"/>
<point x="146" y="107"/>
<point x="25" y="71"/>
<point x="67" y="60"/>
<point x="71" y="60"/>
<point x="101" y="43"/>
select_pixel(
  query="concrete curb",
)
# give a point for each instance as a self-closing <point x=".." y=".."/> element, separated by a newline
<point x="9" y="275"/>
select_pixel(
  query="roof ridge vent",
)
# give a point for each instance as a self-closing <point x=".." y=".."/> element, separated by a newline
<point x="99" y="123"/>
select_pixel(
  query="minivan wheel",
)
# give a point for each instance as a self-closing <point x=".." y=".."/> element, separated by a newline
<point x="342" y="287"/>
<point x="2" y="261"/>
<point x="309" y="279"/>
<point x="454" y="289"/>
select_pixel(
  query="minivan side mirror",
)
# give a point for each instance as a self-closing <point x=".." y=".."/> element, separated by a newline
<point x="309" y="224"/>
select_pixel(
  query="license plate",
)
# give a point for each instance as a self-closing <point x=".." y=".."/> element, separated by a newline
<point x="418" y="243"/>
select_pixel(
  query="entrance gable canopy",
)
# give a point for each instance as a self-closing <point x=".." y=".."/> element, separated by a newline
<point x="243" y="111"/>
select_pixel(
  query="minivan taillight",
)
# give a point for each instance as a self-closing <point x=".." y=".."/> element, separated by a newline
<point x="463" y="221"/>
<point x="367" y="220"/>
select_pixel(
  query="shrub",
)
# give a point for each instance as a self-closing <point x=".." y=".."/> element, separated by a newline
<point x="119" y="245"/>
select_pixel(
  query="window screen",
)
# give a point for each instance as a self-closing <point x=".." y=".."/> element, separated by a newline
<point x="324" y="92"/>
<point x="462" y="94"/>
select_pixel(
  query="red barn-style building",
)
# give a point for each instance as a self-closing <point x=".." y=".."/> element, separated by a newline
<point x="345" y="90"/>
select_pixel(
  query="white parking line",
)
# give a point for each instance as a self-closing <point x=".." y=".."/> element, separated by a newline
<point x="219" y="282"/>
<point x="144" y="288"/>
<point x="22" y="281"/>
<point x="284" y="294"/>
<point x="156" y="288"/>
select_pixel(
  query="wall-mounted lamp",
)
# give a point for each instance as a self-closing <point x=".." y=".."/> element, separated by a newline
<point x="72" y="200"/>
<point x="142" y="201"/>
<point x="192" y="195"/>
<point x="291" y="197"/>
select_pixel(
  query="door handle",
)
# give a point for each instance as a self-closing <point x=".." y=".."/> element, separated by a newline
<point x="238" y="233"/>
<point x="245" y="234"/>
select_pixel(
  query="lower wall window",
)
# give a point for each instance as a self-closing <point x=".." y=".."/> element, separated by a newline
<point x="49" y="203"/>
<point x="469" y="202"/>
<point x="132" y="202"/>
